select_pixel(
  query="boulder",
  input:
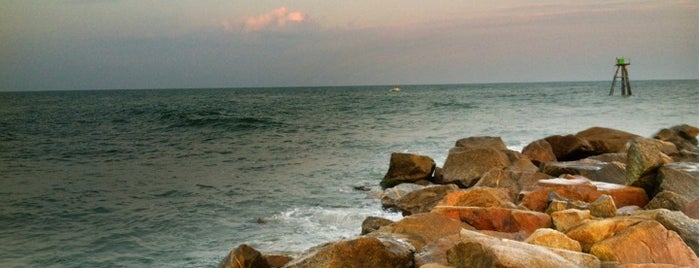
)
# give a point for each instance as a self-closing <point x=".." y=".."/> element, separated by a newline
<point x="623" y="195"/>
<point x="683" y="136"/>
<point x="478" y="197"/>
<point x="497" y="219"/>
<point x="390" y="196"/>
<point x="408" y="168"/>
<point x="643" y="159"/>
<point x="423" y="200"/>
<point x="465" y="165"/>
<point x="567" y="219"/>
<point x="691" y="209"/>
<point x="539" y="151"/>
<point x="479" y="250"/>
<point x="606" y="140"/>
<point x="676" y="221"/>
<point x="553" y="239"/>
<point x="570" y="147"/>
<point x="519" y="162"/>
<point x="358" y="252"/>
<point x="590" y="232"/>
<point x="681" y="178"/>
<point x="372" y="223"/>
<point x="613" y="172"/>
<point x="560" y="203"/>
<point x="244" y="256"/>
<point x="482" y="142"/>
<point x="276" y="261"/>
<point x="609" y="157"/>
<point x="511" y="181"/>
<point x="603" y="207"/>
<point x="645" y="242"/>
<point x="419" y="229"/>
<point x="436" y="252"/>
<point x="667" y="200"/>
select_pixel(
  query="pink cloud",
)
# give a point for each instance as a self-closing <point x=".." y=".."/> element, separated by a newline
<point x="276" y="18"/>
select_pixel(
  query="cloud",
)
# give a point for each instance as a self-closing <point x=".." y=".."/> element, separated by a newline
<point x="276" y="18"/>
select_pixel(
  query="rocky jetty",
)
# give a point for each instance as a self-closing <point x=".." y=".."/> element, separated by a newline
<point x="598" y="198"/>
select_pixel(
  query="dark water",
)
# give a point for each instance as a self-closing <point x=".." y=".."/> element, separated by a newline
<point x="176" y="178"/>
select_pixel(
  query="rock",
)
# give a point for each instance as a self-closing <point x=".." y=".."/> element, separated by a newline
<point x="276" y="261"/>
<point x="482" y="142"/>
<point x="643" y="159"/>
<point x="465" y="165"/>
<point x="667" y="200"/>
<point x="676" y="221"/>
<point x="681" y="178"/>
<point x="372" y="223"/>
<point x="408" y="168"/>
<point x="419" y="229"/>
<point x="603" y="207"/>
<point x="244" y="256"/>
<point x="359" y="252"/>
<point x="606" y="140"/>
<point x="478" y="250"/>
<point x="559" y="203"/>
<point x="423" y="200"/>
<point x="623" y="195"/>
<point x="645" y="242"/>
<point x="436" y="252"/>
<point x="566" y="219"/>
<point x="497" y="219"/>
<point x="683" y="136"/>
<point x="478" y="197"/>
<point x="390" y="196"/>
<point x="570" y="147"/>
<point x="510" y="181"/>
<point x="539" y="151"/>
<point x="609" y="157"/>
<point x="435" y="265"/>
<point x="691" y="209"/>
<point x="553" y="239"/>
<point x="613" y="172"/>
<point x="519" y="162"/>
<point x="590" y="232"/>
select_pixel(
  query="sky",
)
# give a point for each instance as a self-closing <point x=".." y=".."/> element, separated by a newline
<point x="141" y="44"/>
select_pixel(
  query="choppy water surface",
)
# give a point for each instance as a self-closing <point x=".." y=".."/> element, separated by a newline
<point x="176" y="178"/>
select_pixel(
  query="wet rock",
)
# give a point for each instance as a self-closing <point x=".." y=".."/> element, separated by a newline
<point x="643" y="159"/>
<point x="553" y="239"/>
<point x="359" y="252"/>
<point x="478" y="197"/>
<point x="478" y="250"/>
<point x="423" y="200"/>
<point x="606" y="140"/>
<point x="681" y="178"/>
<point x="603" y="207"/>
<point x="539" y="151"/>
<point x="372" y="223"/>
<point x="570" y="147"/>
<point x="419" y="229"/>
<point x="590" y="232"/>
<point x="667" y="200"/>
<point x="465" y="165"/>
<point x="497" y="219"/>
<point x="408" y="168"/>
<point x="645" y="242"/>
<point x="244" y="256"/>
<point x="567" y="219"/>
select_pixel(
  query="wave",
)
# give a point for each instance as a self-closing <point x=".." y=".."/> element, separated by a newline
<point x="216" y="119"/>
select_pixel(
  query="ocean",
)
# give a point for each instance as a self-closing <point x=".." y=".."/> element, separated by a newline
<point x="179" y="177"/>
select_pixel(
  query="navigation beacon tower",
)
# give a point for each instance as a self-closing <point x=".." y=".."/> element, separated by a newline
<point x="621" y="64"/>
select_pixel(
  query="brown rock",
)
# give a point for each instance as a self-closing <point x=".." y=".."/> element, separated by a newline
<point x="436" y="252"/>
<point x="539" y="151"/>
<point x="592" y="231"/>
<point x="478" y="197"/>
<point x="244" y="256"/>
<point x="553" y="239"/>
<point x="667" y="200"/>
<point x="407" y="168"/>
<point x="358" y="253"/>
<point x="497" y="219"/>
<point x="691" y="209"/>
<point x="606" y="140"/>
<point x="372" y="223"/>
<point x="676" y="221"/>
<point x="519" y="162"/>
<point x="645" y="242"/>
<point x="681" y="178"/>
<point x="276" y="261"/>
<point x="683" y="136"/>
<point x="478" y="250"/>
<point x="623" y="195"/>
<point x="465" y="165"/>
<point x="643" y="159"/>
<point x="423" y="200"/>
<point x="609" y="157"/>
<point x="390" y="196"/>
<point x="612" y="172"/>
<point x="570" y="147"/>
<point x="419" y="229"/>
<point x="482" y="142"/>
<point x="435" y="265"/>
<point x="567" y="219"/>
<point x="511" y="181"/>
<point x="603" y="207"/>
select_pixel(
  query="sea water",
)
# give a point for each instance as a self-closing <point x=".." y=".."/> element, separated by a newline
<point x="177" y="178"/>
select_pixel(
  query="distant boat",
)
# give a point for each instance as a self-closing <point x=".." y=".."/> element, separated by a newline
<point x="395" y="89"/>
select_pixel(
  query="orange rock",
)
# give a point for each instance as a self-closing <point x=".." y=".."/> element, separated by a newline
<point x="592" y="231"/>
<point x="359" y="252"/>
<point x="497" y="219"/>
<point x="646" y="242"/>
<point x="478" y="197"/>
<point x="419" y="229"/>
<point x="553" y="239"/>
<point x="465" y="165"/>
<point x="623" y="195"/>
<point x="567" y="219"/>
<point x="244" y="256"/>
<point x="606" y="140"/>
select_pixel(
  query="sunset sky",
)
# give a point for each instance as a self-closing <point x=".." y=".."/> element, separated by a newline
<point x="125" y="44"/>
